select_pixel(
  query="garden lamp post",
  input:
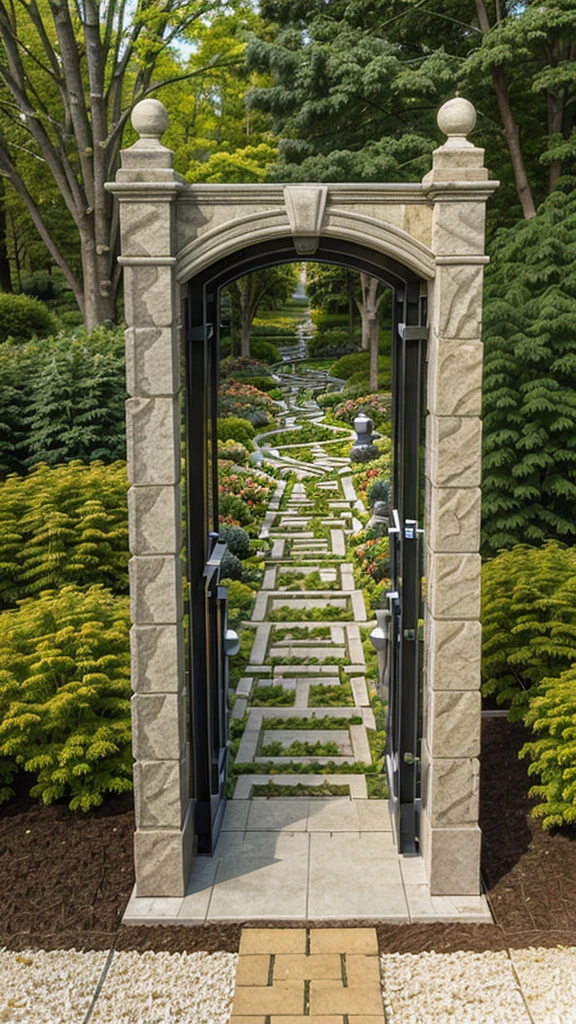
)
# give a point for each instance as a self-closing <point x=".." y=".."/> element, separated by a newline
<point x="380" y="637"/>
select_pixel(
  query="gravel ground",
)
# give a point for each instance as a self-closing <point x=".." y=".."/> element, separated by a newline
<point x="548" y="979"/>
<point x="441" y="988"/>
<point x="159" y="988"/>
<point x="56" y="987"/>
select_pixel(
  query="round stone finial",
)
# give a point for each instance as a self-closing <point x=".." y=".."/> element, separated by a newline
<point x="457" y="117"/>
<point x="149" y="119"/>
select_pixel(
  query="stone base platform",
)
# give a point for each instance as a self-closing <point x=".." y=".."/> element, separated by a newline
<point x="308" y="859"/>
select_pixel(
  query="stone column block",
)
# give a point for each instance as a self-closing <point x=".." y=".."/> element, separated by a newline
<point x="454" y="649"/>
<point x="152" y="361"/>
<point x="454" y="723"/>
<point x="157" y="727"/>
<point x="453" y="861"/>
<point x="454" y="586"/>
<point x="455" y="377"/>
<point x="155" y="589"/>
<point x="146" y="228"/>
<point x="157" y="659"/>
<point x="154" y="519"/>
<point x="454" y="451"/>
<point x="457" y="310"/>
<point x="161" y="793"/>
<point x="163" y="858"/>
<point x="454" y="523"/>
<point x="149" y="295"/>
<point x="458" y="227"/>
<point x="454" y="792"/>
<point x="153" y="441"/>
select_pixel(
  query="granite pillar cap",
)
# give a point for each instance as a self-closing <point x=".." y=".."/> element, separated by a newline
<point x="457" y="118"/>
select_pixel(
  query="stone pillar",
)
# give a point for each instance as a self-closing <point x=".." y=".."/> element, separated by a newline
<point x="450" y="834"/>
<point x="147" y="188"/>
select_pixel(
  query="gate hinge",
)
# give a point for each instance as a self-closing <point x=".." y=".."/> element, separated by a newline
<point x="416" y="333"/>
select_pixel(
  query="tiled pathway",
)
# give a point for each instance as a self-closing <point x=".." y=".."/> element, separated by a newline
<point x="327" y="853"/>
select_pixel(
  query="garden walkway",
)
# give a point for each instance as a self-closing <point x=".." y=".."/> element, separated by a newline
<point x="297" y="846"/>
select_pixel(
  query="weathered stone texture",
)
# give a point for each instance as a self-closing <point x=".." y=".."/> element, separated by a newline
<point x="154" y="520"/>
<point x="458" y="301"/>
<point x="157" y="658"/>
<point x="455" y="377"/>
<point x="455" y="519"/>
<point x="163" y="858"/>
<point x="157" y="734"/>
<point x="149" y="299"/>
<point x="152" y="361"/>
<point x="454" y="586"/>
<point x="454" y="723"/>
<point x="155" y="589"/>
<point x="153" y="440"/>
<point x="454" y="651"/>
<point x="454" y="456"/>
<point x="160" y="793"/>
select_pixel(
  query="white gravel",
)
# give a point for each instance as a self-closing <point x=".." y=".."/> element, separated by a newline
<point x="40" y="987"/>
<point x="444" y="988"/>
<point x="161" y="988"/>
<point x="548" y="979"/>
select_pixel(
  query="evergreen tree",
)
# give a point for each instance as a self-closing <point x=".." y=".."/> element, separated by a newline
<point x="529" y="481"/>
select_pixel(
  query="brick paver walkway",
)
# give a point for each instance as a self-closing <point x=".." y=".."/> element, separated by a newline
<point x="321" y="975"/>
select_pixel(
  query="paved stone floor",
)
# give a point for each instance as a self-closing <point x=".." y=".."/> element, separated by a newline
<point x="306" y="858"/>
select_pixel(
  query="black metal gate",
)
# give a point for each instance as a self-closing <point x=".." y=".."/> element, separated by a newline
<point x="406" y="558"/>
<point x="208" y="639"/>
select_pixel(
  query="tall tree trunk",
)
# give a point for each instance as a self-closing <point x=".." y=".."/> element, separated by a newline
<point x="509" y="125"/>
<point x="5" y="278"/>
<point x="374" y="353"/>
<point x="246" y="315"/>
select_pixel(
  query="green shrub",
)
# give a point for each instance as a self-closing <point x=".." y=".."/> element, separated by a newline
<point x="552" y="716"/>
<point x="272" y="696"/>
<point x="233" y="428"/>
<point x="266" y="351"/>
<point x="528" y="621"/>
<point x="65" y="696"/>
<point x="17" y="371"/>
<point x="328" y="400"/>
<point x="237" y="540"/>
<point x="275" y="327"/>
<point x="240" y="600"/>
<point x="233" y="451"/>
<point x="378" y="491"/>
<point x="333" y="341"/>
<point x="233" y="508"/>
<point x="23" y="317"/>
<point x="67" y="525"/>
<point x="232" y="568"/>
<point x="354" y="368"/>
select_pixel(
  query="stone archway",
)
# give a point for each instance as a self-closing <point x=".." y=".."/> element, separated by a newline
<point x="172" y="231"/>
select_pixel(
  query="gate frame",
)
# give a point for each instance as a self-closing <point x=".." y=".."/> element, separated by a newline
<point x="172" y="231"/>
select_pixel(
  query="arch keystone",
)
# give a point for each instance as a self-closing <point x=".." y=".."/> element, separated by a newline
<point x="305" y="206"/>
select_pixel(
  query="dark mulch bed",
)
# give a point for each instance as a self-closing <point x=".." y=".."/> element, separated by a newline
<point x="66" y="878"/>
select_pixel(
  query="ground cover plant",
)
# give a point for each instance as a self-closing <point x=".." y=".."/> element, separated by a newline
<point x="305" y="434"/>
<point x="272" y="696"/>
<point x="299" y="748"/>
<point x="339" y="696"/>
<point x="327" y="613"/>
<point x="273" y="789"/>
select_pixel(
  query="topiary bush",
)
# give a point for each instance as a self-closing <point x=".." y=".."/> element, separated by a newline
<point x="528" y="621"/>
<point x="235" y="428"/>
<point x="357" y="366"/>
<point x="265" y="351"/>
<point x="233" y="508"/>
<point x="378" y="491"/>
<point x="233" y="451"/>
<point x="65" y="696"/>
<point x="232" y="568"/>
<point x="67" y="525"/>
<point x="237" y="540"/>
<point x="23" y="317"/>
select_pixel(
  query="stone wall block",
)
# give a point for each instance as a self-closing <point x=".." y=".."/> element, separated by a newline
<point x="454" y="653"/>
<point x="455" y="451"/>
<point x="159" y="794"/>
<point x="154" y="518"/>
<point x="157" y="729"/>
<point x="454" y="791"/>
<point x="146" y="228"/>
<point x="454" y="723"/>
<point x="163" y="858"/>
<point x="155" y="589"/>
<point x="455" y="519"/>
<point x="453" y="861"/>
<point x="458" y="228"/>
<point x="455" y="377"/>
<point x="457" y="310"/>
<point x="152" y="361"/>
<point x="149" y="296"/>
<point x="157" y="654"/>
<point x="454" y="586"/>
<point x="153" y="441"/>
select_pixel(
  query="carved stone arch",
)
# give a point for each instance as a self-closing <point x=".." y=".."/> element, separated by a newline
<point x="412" y="235"/>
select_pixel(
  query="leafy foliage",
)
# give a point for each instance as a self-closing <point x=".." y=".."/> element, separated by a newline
<point x="529" y="481"/>
<point x="528" y="620"/>
<point x="552" y="716"/>
<point x="332" y="341"/>
<point x="235" y="428"/>
<point x="237" y="540"/>
<point x="23" y="317"/>
<point x="65" y="696"/>
<point x="67" y="525"/>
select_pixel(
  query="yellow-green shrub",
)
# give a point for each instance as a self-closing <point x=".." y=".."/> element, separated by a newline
<point x="65" y="696"/>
